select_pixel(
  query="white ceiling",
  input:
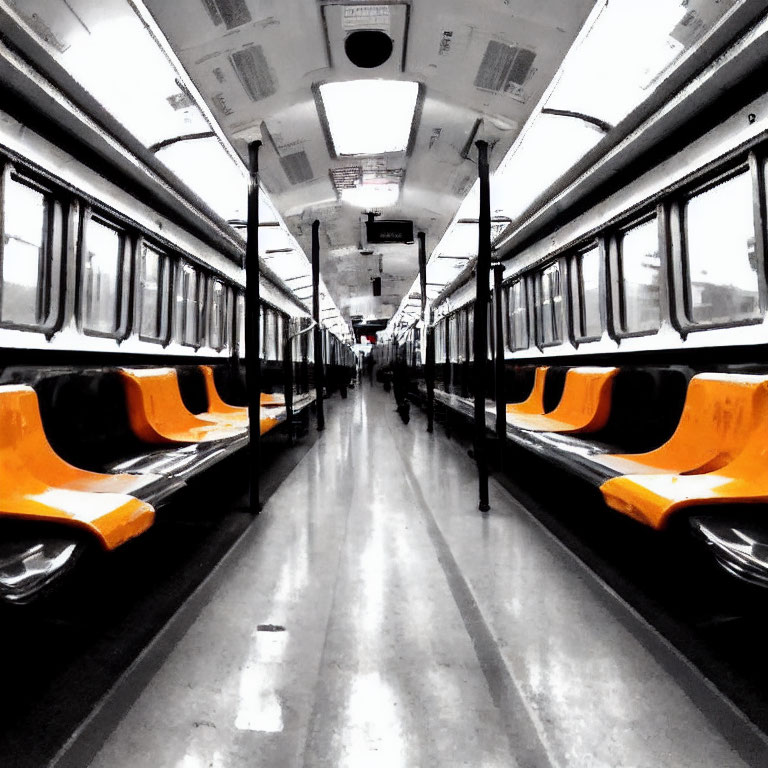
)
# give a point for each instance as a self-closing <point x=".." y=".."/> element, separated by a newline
<point x="298" y="45"/>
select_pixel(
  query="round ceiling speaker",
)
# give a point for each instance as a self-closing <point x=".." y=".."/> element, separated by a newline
<point x="368" y="48"/>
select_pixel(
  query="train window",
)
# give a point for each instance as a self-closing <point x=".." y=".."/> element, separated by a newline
<point x="470" y="333"/>
<point x="279" y="337"/>
<point x="202" y="309"/>
<point x="720" y="253"/>
<point x="440" y="342"/>
<point x="217" y="331"/>
<point x="103" y="265"/>
<point x="187" y="305"/>
<point x="270" y="334"/>
<point x="588" y="323"/>
<point x="154" y="277"/>
<point x="240" y="322"/>
<point x="640" y="269"/>
<point x="25" y="255"/>
<point x="517" y="317"/>
<point x="549" y="304"/>
<point x="453" y="338"/>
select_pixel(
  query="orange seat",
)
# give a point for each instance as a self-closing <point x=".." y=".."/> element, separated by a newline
<point x="36" y="484"/>
<point x="721" y="453"/>
<point x="652" y="499"/>
<point x="721" y="411"/>
<point x="534" y="403"/>
<point x="220" y="412"/>
<point x="584" y="406"/>
<point x="158" y="415"/>
<point x="216" y="406"/>
<point x="269" y="400"/>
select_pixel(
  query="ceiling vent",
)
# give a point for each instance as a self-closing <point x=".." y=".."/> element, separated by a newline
<point x="297" y="167"/>
<point x="231" y="13"/>
<point x="251" y="67"/>
<point x="366" y="36"/>
<point x="504" y="68"/>
<point x="368" y="48"/>
<point x="347" y="177"/>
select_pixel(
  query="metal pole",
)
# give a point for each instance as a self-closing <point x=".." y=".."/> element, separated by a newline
<point x="429" y="370"/>
<point x="429" y="363"/>
<point x="482" y="295"/>
<point x="423" y="271"/>
<point x="288" y="390"/>
<point x="252" y="330"/>
<point x="319" y="384"/>
<point x="501" y="399"/>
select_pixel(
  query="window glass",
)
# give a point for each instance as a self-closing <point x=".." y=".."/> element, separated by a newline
<point x="720" y="247"/>
<point x="187" y="305"/>
<point x="152" y="271"/>
<point x="217" y="315"/>
<point x="589" y="284"/>
<point x="279" y="337"/>
<point x="550" y="304"/>
<point x="101" y="283"/>
<point x="240" y="311"/>
<point x="453" y="338"/>
<point x="270" y="334"/>
<point x="202" y="309"/>
<point x="25" y="243"/>
<point x="640" y="265"/>
<point x="517" y="315"/>
<point x="470" y="332"/>
<point x="440" y="342"/>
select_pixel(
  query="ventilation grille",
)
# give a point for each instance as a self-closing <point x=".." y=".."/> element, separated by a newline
<point x="297" y="167"/>
<point x="253" y="71"/>
<point x="231" y="13"/>
<point x="504" y="68"/>
<point x="348" y="177"/>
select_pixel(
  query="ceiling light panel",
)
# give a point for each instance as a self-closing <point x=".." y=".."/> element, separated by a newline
<point x="369" y="117"/>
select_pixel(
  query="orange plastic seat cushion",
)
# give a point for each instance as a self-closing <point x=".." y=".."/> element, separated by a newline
<point x="158" y="415"/>
<point x="534" y="403"/>
<point x="652" y="499"/>
<point x="220" y="412"/>
<point x="35" y="483"/>
<point x="720" y="413"/>
<point x="584" y="406"/>
<point x="216" y="406"/>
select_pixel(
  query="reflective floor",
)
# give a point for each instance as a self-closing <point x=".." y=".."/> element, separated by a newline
<point x="376" y="618"/>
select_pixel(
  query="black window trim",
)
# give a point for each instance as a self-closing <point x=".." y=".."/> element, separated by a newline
<point x="126" y="257"/>
<point x="755" y="168"/>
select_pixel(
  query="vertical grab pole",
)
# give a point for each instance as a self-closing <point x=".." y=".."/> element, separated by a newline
<point x="482" y="296"/>
<point x="430" y="374"/>
<point x="252" y="330"/>
<point x="289" y="379"/>
<point x="319" y="376"/>
<point x="429" y="363"/>
<point x="501" y="399"/>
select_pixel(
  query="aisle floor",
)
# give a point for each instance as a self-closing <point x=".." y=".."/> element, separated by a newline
<point x="374" y="618"/>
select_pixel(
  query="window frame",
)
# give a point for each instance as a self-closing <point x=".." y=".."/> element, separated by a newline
<point x="51" y="271"/>
<point x="538" y="275"/>
<point x="576" y="286"/>
<point x="617" y="323"/>
<point x="126" y="257"/>
<point x="683" y="303"/>
<point x="165" y="294"/>
<point x="223" y="315"/>
<point x="520" y="280"/>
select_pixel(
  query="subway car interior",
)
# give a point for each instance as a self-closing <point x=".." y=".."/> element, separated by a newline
<point x="383" y="383"/>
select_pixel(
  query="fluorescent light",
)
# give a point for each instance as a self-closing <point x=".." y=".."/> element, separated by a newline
<point x="369" y="117"/>
<point x="372" y="195"/>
